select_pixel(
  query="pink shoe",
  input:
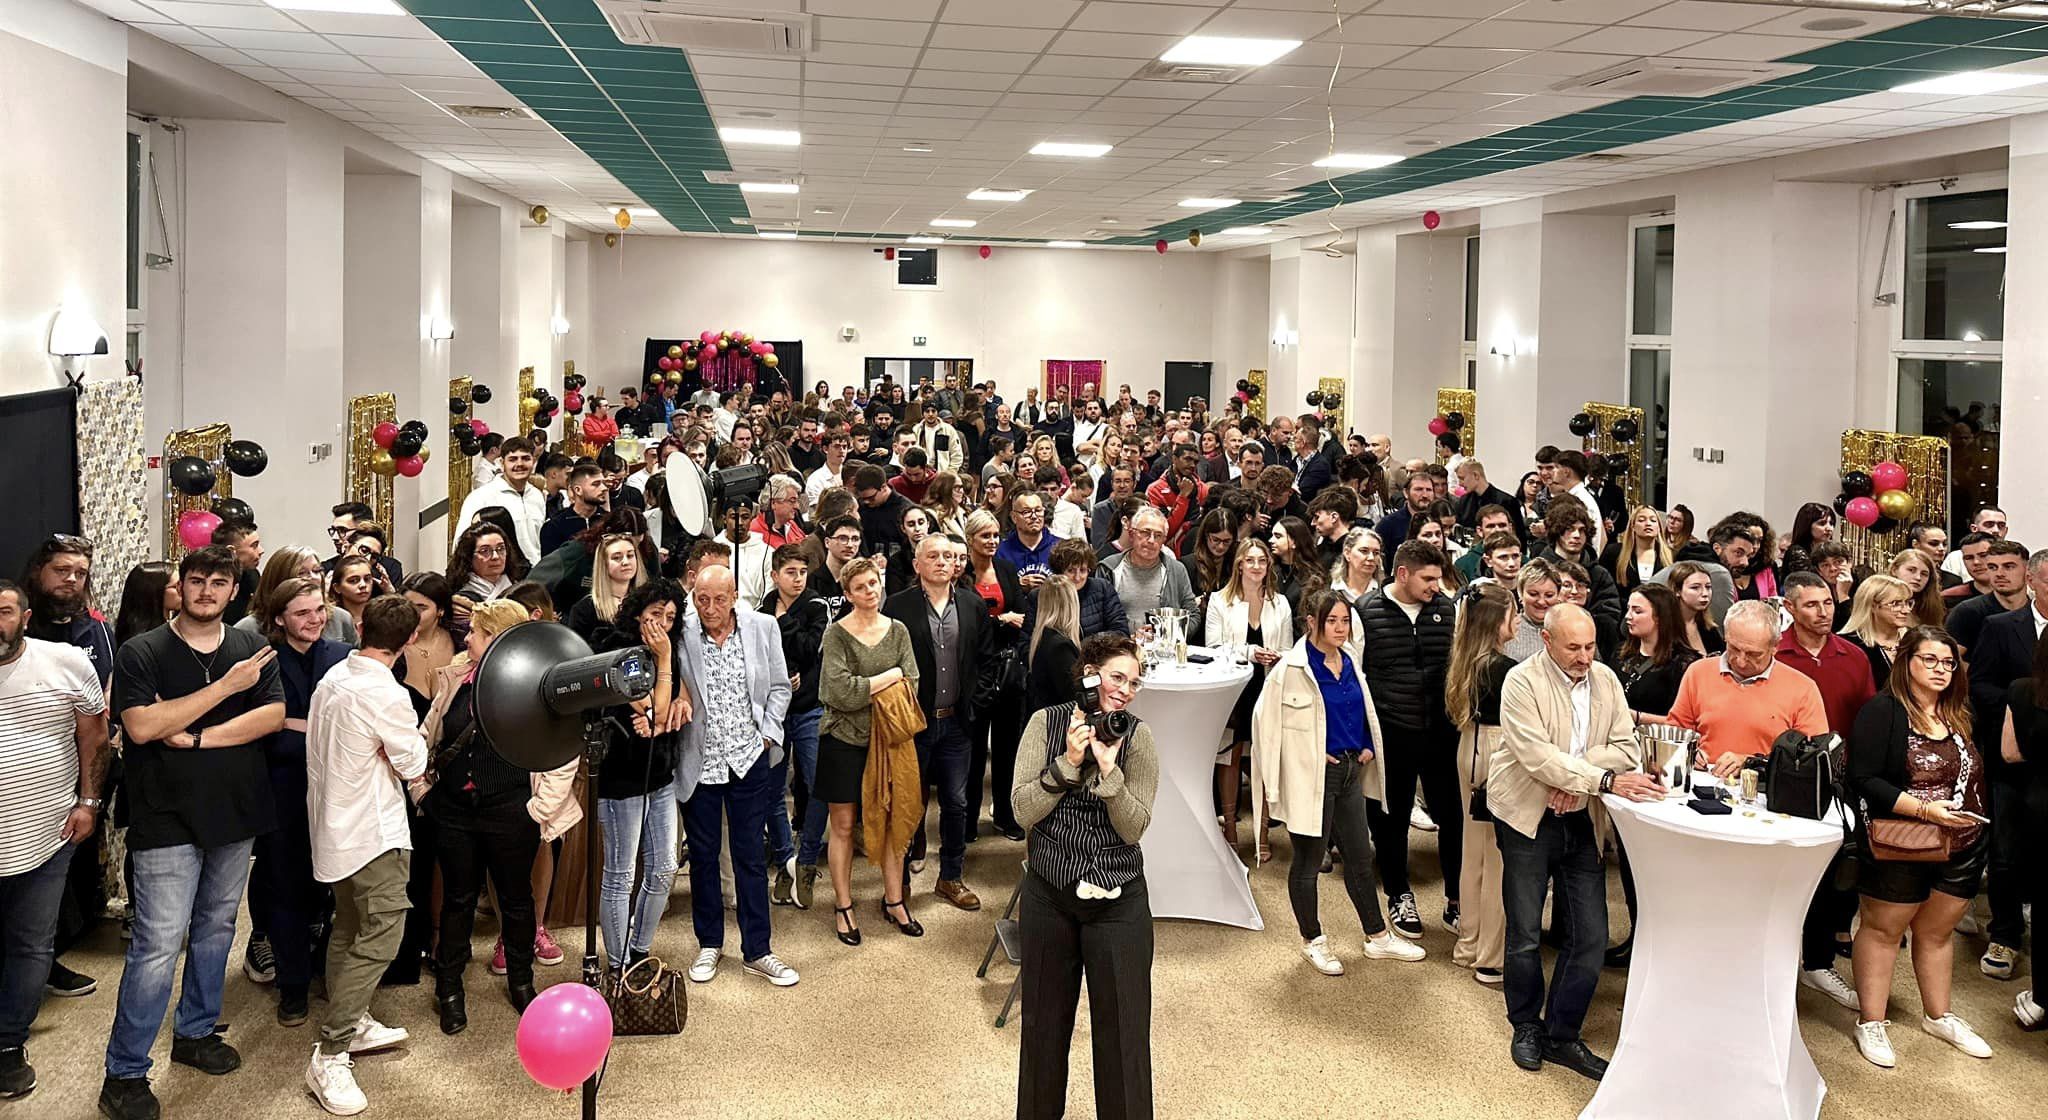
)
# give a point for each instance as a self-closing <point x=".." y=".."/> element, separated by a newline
<point x="545" y="951"/>
<point x="498" y="959"/>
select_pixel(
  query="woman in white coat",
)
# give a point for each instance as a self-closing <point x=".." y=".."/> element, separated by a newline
<point x="1250" y="616"/>
<point x="1315" y="760"/>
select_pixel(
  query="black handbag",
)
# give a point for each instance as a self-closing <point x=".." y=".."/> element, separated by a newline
<point x="1803" y="774"/>
<point x="647" y="998"/>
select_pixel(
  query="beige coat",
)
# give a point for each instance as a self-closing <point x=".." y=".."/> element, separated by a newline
<point x="553" y="804"/>
<point x="1288" y="731"/>
<point x="1534" y="752"/>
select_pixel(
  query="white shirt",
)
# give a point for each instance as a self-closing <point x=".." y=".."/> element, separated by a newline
<point x="361" y="740"/>
<point x="1088" y="431"/>
<point x="1953" y="565"/>
<point x="1069" y="521"/>
<point x="485" y="470"/>
<point x="752" y="568"/>
<point x="1581" y="692"/>
<point x="529" y="510"/>
<point x="42" y="694"/>
<point x="724" y="421"/>
<point x="1592" y="504"/>
<point x="820" y="480"/>
<point x="638" y="481"/>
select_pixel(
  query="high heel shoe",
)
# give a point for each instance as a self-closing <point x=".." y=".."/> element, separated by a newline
<point x="909" y="926"/>
<point x="851" y="934"/>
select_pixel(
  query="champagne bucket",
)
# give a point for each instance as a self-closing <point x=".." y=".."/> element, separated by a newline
<point x="1668" y="752"/>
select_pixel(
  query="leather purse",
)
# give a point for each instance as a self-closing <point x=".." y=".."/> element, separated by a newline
<point x="1904" y="840"/>
<point x="647" y="998"/>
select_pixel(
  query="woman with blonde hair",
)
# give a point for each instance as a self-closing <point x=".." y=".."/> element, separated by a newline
<point x="616" y="573"/>
<point x="1055" y="647"/>
<point x="1881" y="612"/>
<point x="1639" y="554"/>
<point x="1046" y="453"/>
<point x="1472" y="685"/>
<point x="1912" y="566"/>
<point x="286" y="564"/>
<point x="1250" y="617"/>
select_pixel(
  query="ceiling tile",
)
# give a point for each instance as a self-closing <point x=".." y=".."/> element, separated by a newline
<point x="1112" y="45"/>
<point x="304" y="41"/>
<point x="838" y="29"/>
<point x="253" y="17"/>
<point x="1414" y="30"/>
<point x="1702" y="15"/>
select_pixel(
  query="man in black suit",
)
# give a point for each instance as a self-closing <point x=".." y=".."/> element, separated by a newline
<point x="953" y="640"/>
<point x="2003" y="654"/>
<point x="1480" y="493"/>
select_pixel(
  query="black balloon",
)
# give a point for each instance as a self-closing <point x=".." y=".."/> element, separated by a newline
<point x="1455" y="421"/>
<point x="415" y="427"/>
<point x="457" y="406"/>
<point x="1332" y="400"/>
<point x="233" y="509"/>
<point x="245" y="457"/>
<point x="1841" y="504"/>
<point x="1582" y="424"/>
<point x="481" y="394"/>
<point x="1619" y="465"/>
<point x="407" y="445"/>
<point x="1243" y="385"/>
<point x="1857" y="484"/>
<point x="1252" y="391"/>
<point x="1624" y="430"/>
<point x="1315" y="398"/>
<point x="1883" y="524"/>
<point x="190" y="475"/>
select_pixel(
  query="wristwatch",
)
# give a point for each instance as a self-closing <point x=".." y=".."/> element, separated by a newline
<point x="92" y="803"/>
<point x="1607" y="782"/>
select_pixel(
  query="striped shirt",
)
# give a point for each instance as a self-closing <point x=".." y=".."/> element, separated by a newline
<point x="42" y="694"/>
<point x="1078" y="839"/>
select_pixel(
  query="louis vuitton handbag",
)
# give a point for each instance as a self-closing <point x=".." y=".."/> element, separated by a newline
<point x="647" y="998"/>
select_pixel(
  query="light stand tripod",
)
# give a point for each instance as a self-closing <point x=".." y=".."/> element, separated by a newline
<point x="593" y="867"/>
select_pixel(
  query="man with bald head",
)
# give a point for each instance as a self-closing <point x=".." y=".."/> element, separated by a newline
<point x="1566" y="737"/>
<point x="1737" y="703"/>
<point x="726" y="772"/>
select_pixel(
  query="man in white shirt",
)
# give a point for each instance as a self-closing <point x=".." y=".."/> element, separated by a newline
<point x="486" y="467"/>
<point x="517" y="494"/>
<point x="827" y="476"/>
<point x="1568" y="476"/>
<point x="1088" y="424"/>
<point x="363" y="748"/>
<point x="1991" y="522"/>
<point x="725" y="416"/>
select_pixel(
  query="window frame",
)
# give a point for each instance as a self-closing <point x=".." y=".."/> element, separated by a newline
<point x="1468" y="345"/>
<point x="136" y="318"/>
<point x="1930" y="349"/>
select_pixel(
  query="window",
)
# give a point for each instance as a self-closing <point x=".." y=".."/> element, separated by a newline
<point x="138" y="185"/>
<point x="1469" y="351"/>
<point x="1950" y="323"/>
<point x="1652" y="254"/>
<point x="917" y="268"/>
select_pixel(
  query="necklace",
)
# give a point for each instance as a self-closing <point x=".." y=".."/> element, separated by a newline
<point x="206" y="664"/>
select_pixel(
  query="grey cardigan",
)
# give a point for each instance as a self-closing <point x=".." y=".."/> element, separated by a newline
<point x="767" y="682"/>
<point x="1178" y="591"/>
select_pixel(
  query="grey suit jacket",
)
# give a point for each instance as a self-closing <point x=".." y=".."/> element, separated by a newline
<point x="767" y="685"/>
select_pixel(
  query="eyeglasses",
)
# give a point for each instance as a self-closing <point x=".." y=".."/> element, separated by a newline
<point x="1932" y="661"/>
<point x="491" y="551"/>
<point x="848" y="541"/>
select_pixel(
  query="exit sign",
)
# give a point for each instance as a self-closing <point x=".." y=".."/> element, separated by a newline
<point x="917" y="340"/>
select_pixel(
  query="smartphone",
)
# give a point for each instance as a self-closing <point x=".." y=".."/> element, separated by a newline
<point x="1969" y="816"/>
<point x="1200" y="658"/>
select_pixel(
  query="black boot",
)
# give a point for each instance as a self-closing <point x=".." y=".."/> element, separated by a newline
<point x="520" y="995"/>
<point x="454" y="1011"/>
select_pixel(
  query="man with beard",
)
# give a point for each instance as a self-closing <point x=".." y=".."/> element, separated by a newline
<point x="196" y="701"/>
<point x="53" y="737"/>
<point x="58" y="585"/>
<point x="518" y="494"/>
<point x="241" y="537"/>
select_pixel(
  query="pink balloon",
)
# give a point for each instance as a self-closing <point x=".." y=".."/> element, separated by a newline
<point x="1438" y="426"/>
<point x="196" y="526"/>
<point x="767" y="348"/>
<point x="984" y="251"/>
<point x="1887" y="476"/>
<point x="1862" y="512"/>
<point x="757" y="348"/>
<point x="480" y="428"/>
<point x="384" y="434"/>
<point x="564" y="1035"/>
<point x="664" y="364"/>
<point x="708" y="338"/>
<point x="1457" y="491"/>
<point x="1431" y="219"/>
<point x="411" y="466"/>
<point x="573" y="401"/>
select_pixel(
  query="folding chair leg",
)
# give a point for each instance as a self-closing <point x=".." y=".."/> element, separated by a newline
<point x="1004" y="1015"/>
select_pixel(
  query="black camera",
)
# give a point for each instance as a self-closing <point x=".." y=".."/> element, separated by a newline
<point x="1110" y="727"/>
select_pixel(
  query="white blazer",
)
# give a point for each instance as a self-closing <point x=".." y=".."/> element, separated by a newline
<point x="1227" y="622"/>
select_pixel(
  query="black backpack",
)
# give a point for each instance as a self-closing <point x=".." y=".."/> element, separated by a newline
<point x="1804" y="777"/>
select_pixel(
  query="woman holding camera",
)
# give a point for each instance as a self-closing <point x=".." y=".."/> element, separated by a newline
<point x="1315" y="760"/>
<point x="1084" y="788"/>
<point x="1910" y="756"/>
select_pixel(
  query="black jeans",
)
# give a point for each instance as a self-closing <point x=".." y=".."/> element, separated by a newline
<point x="1433" y="759"/>
<point x="499" y="840"/>
<point x="1343" y="818"/>
<point x="1566" y="850"/>
<point x="418" y="941"/>
<point x="2010" y="874"/>
<point x="994" y="745"/>
<point x="1827" y="917"/>
<point x="289" y="905"/>
<point x="1109" y="942"/>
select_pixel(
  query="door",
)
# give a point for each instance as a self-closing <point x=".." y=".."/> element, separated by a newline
<point x="1185" y="380"/>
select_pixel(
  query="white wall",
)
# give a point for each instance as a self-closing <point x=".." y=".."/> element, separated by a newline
<point x="1137" y="311"/>
<point x="1428" y="293"/>
<point x="1238" y="312"/>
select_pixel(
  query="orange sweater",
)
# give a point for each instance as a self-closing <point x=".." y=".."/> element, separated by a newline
<point x="1744" y="719"/>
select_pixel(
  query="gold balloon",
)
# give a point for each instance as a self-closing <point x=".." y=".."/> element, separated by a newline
<point x="425" y="453"/>
<point x="530" y="404"/>
<point x="381" y="463"/>
<point x="675" y="351"/>
<point x="689" y="364"/>
<point x="675" y="377"/>
<point x="723" y="344"/>
<point x="1195" y="238"/>
<point x="539" y="214"/>
<point x="622" y="219"/>
<point x="1897" y="505"/>
<point x="770" y="360"/>
<point x="611" y="240"/>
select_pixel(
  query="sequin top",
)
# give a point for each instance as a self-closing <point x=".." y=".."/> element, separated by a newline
<point x="1944" y="770"/>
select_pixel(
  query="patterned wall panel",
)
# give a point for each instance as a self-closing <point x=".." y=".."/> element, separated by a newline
<point x="112" y="484"/>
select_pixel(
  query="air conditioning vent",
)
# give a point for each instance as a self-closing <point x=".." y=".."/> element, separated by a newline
<point x="706" y="27"/>
<point x="735" y="178"/>
<point x="492" y="112"/>
<point x="1672" y="77"/>
<point x="1157" y="71"/>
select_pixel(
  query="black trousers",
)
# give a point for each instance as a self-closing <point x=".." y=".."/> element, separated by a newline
<point x="994" y="751"/>
<point x="418" y="940"/>
<point x="1109" y="943"/>
<point x="1431" y="758"/>
<point x="2010" y="873"/>
<point x="1827" y="917"/>
<point x="290" y="906"/>
<point x="1343" y="819"/>
<point x="499" y="840"/>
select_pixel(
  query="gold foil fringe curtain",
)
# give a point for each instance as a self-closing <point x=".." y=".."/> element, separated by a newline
<point x="1467" y="402"/>
<point x="1926" y="459"/>
<point x="1333" y="418"/>
<point x="205" y="443"/>
<point x="361" y="484"/>
<point x="1602" y="441"/>
<point x="1257" y="409"/>
<point x="460" y="478"/>
<point x="527" y="405"/>
<point x="572" y="426"/>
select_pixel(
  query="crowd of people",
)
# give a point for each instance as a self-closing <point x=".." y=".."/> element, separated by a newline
<point x="936" y="596"/>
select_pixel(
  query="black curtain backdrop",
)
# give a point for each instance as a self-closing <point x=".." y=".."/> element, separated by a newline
<point x="38" y="473"/>
<point x="789" y="369"/>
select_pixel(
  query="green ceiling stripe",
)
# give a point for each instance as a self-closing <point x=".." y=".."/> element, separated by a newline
<point x="619" y="103"/>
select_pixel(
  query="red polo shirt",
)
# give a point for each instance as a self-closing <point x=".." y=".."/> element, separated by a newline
<point x="1842" y="673"/>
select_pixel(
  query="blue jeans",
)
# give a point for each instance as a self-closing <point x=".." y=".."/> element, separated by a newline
<point x="28" y="940"/>
<point x="943" y="752"/>
<point x="1565" y="849"/>
<point x="181" y="892"/>
<point x="799" y="742"/>
<point x="622" y="820"/>
<point x="741" y="804"/>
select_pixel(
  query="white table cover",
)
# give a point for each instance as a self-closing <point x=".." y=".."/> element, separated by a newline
<point x="1705" y="1031"/>
<point x="1190" y="872"/>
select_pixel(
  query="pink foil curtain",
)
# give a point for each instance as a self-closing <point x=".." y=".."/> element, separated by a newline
<point x="730" y="370"/>
<point x="1073" y="374"/>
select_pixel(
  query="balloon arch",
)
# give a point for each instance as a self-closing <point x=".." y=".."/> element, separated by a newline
<point x="721" y="359"/>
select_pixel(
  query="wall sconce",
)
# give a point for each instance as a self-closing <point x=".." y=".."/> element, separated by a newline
<point x="1504" y="347"/>
<point x="559" y="325"/>
<point x="74" y="334"/>
<point x="442" y="330"/>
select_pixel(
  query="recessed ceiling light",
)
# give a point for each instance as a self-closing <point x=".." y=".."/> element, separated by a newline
<point x="640" y="211"/>
<point x="756" y="114"/>
<point x="769" y="188"/>
<point x="1357" y="161"/>
<point x="1111" y="221"/>
<point x="1247" y="231"/>
<point x="1212" y="50"/>
<point x="348" y="7"/>
<point x="1986" y="224"/>
<point x="822" y="210"/>
<point x="1065" y="244"/>
<point x="777" y="137"/>
<point x="1971" y="83"/>
<point x="1990" y="249"/>
<point x="1834" y="23"/>
<point x="1207" y="203"/>
<point x="917" y="147"/>
<point x="1214" y="159"/>
<point x="993" y="194"/>
<point x="1066" y="148"/>
<point x="776" y="235"/>
<point x="952" y="223"/>
<point x="925" y="240"/>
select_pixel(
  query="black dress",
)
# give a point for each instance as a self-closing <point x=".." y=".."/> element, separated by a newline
<point x="1051" y="679"/>
<point x="1651" y="688"/>
<point x="1241" y="716"/>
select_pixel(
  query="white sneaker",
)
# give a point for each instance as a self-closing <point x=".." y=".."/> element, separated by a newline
<point x="1388" y="947"/>
<point x="1875" y="1045"/>
<point x="1829" y="983"/>
<point x="331" y="1079"/>
<point x="373" y="1035"/>
<point x="1998" y="961"/>
<point x="2032" y="1015"/>
<point x="1951" y="1029"/>
<point x="706" y="966"/>
<point x="770" y="968"/>
<point x="1419" y="819"/>
<point x="1319" y="955"/>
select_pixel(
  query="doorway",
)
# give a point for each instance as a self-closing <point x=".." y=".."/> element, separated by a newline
<point x="1185" y="380"/>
